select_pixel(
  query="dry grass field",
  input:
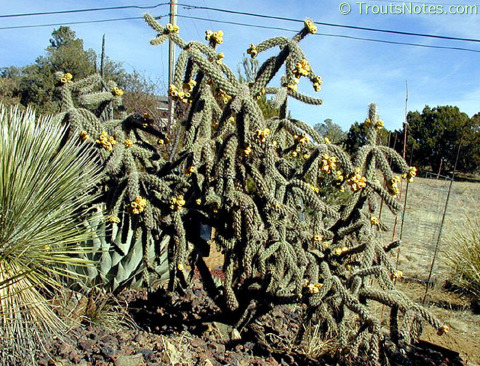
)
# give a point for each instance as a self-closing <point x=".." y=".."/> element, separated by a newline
<point x="420" y="226"/>
<point x="422" y="219"/>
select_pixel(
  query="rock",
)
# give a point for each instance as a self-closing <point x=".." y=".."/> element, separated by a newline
<point x="65" y="349"/>
<point x="217" y="331"/>
<point x="133" y="360"/>
<point x="107" y="351"/>
<point x="148" y="354"/>
<point x="87" y="346"/>
<point x="220" y="348"/>
<point x="140" y="339"/>
<point x="74" y="356"/>
<point x="171" y="355"/>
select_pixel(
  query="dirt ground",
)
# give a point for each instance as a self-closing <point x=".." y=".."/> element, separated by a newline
<point x="186" y="330"/>
<point x="456" y="311"/>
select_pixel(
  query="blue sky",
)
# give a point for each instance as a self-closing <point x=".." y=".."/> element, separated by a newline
<point x="355" y="72"/>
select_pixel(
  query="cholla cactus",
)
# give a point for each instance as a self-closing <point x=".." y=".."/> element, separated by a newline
<point x="135" y="194"/>
<point x="256" y="182"/>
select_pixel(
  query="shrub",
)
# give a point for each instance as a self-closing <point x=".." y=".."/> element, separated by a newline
<point x="463" y="255"/>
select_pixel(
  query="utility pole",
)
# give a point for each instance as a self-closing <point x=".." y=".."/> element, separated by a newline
<point x="108" y="113"/>
<point x="102" y="59"/>
<point x="171" y="63"/>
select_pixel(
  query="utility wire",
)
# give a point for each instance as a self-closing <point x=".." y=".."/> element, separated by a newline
<point x="333" y="35"/>
<point x="68" y="23"/>
<point x="248" y="25"/>
<point x="333" y="24"/>
<point x="84" y="10"/>
<point x="246" y="14"/>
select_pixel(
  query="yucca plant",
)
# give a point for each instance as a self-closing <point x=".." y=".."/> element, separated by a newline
<point x="45" y="186"/>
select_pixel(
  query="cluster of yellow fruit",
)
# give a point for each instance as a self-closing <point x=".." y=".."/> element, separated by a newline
<point x="178" y="94"/>
<point x="392" y="186"/>
<point x="314" y="289"/>
<point x="301" y="139"/>
<point x="220" y="57"/>
<point x="113" y="218"/>
<point x="340" y="251"/>
<point x="214" y="37"/>
<point x="329" y="164"/>
<point x="310" y="25"/>
<point x="302" y="68"/>
<point x="138" y="206"/>
<point x="84" y="135"/>
<point x="317" y="84"/>
<point x="339" y="179"/>
<point x="106" y="141"/>
<point x="293" y="87"/>
<point x="67" y="78"/>
<point x="172" y="28"/>
<point x="177" y="202"/>
<point x="189" y="85"/>
<point x="356" y="181"/>
<point x="117" y="91"/>
<point x="397" y="274"/>
<point x="252" y="51"/>
<point x="262" y="135"/>
<point x="412" y="173"/>
<point x="222" y="94"/>
<point x="379" y="125"/>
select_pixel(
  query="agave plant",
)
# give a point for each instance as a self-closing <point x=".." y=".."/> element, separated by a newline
<point x="45" y="186"/>
<point x="130" y="244"/>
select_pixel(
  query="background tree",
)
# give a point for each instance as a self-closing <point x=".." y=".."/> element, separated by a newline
<point x="357" y="137"/>
<point x="8" y="92"/>
<point x="247" y="71"/>
<point x="35" y="84"/>
<point x="434" y="135"/>
<point x="470" y="154"/>
<point x="331" y="130"/>
<point x="142" y="95"/>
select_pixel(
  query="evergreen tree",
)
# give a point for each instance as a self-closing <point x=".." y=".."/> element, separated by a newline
<point x="434" y="137"/>
<point x="331" y="130"/>
<point x="357" y="136"/>
<point x="35" y="83"/>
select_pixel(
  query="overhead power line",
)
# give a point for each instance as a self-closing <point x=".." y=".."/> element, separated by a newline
<point x="68" y="23"/>
<point x="250" y="25"/>
<point x="84" y="10"/>
<point x="333" y="24"/>
<point x="333" y="35"/>
<point x="369" y="29"/>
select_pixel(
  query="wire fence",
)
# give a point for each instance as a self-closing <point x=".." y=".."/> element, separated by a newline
<point x="420" y="224"/>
